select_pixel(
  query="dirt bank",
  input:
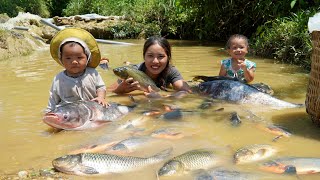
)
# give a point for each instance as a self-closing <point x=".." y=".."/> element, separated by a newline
<point x="26" y="33"/>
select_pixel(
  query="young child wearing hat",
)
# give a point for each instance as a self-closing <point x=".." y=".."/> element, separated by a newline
<point x="78" y="52"/>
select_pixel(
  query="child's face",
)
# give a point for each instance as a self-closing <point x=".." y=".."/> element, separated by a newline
<point x="238" y="48"/>
<point x="74" y="59"/>
<point x="155" y="59"/>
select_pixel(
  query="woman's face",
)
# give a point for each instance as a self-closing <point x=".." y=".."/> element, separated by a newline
<point x="155" y="60"/>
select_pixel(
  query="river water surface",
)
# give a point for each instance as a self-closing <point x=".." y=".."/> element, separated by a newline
<point x="28" y="143"/>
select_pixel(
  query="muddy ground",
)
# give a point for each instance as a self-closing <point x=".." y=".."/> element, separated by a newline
<point x="25" y="33"/>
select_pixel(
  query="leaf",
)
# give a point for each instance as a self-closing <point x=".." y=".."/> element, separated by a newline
<point x="293" y="3"/>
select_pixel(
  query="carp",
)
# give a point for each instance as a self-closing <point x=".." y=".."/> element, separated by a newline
<point x="188" y="161"/>
<point x="144" y="80"/>
<point x="82" y="115"/>
<point x="238" y="92"/>
<point x="293" y="165"/>
<point x="97" y="164"/>
<point x="253" y="153"/>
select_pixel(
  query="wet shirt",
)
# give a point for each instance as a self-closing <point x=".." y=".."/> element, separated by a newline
<point x="69" y="89"/>
<point x="165" y="80"/>
<point x="238" y="74"/>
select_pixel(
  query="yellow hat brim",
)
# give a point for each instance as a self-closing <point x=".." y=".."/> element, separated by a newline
<point x="77" y="33"/>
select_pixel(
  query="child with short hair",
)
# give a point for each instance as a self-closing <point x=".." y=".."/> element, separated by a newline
<point x="238" y="66"/>
<point x="78" y="52"/>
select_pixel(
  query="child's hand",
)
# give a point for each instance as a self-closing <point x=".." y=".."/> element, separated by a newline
<point x="150" y="93"/>
<point x="101" y="101"/>
<point x="242" y="65"/>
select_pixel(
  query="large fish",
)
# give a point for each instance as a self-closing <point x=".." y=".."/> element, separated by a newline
<point x="238" y="92"/>
<point x="94" y="164"/>
<point x="82" y="115"/>
<point x="254" y="152"/>
<point x="224" y="174"/>
<point x="293" y="165"/>
<point x="188" y="161"/>
<point x="125" y="72"/>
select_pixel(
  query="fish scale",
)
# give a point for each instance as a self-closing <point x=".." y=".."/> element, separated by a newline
<point x="191" y="160"/>
<point x="92" y="163"/>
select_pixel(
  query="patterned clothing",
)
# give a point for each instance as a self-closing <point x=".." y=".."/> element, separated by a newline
<point x="172" y="76"/>
<point x="238" y="74"/>
<point x="68" y="89"/>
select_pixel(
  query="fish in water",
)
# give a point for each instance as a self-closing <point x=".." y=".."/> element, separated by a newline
<point x="224" y="174"/>
<point x="125" y="72"/>
<point x="259" y="86"/>
<point x="277" y="130"/>
<point x="238" y="92"/>
<point x="293" y="165"/>
<point x="253" y="153"/>
<point x="82" y="115"/>
<point x="167" y="133"/>
<point x="97" y="164"/>
<point x="235" y="119"/>
<point x="130" y="144"/>
<point x="188" y="161"/>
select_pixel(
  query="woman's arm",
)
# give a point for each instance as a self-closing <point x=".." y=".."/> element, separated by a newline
<point x="181" y="85"/>
<point x="124" y="86"/>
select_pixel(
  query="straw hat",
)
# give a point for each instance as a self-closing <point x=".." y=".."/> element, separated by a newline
<point x="80" y="34"/>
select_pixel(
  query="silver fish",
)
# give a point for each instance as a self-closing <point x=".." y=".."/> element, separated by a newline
<point x="293" y="165"/>
<point x="238" y="92"/>
<point x="253" y="152"/>
<point x="82" y="115"/>
<point x="191" y="160"/>
<point x="93" y="164"/>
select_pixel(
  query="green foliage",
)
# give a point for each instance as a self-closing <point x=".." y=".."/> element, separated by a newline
<point x="286" y="39"/>
<point x="13" y="7"/>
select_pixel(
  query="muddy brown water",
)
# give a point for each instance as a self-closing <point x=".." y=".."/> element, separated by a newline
<point x="28" y="143"/>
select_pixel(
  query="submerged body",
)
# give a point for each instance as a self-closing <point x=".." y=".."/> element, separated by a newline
<point x="82" y="115"/>
<point x="238" y="92"/>
<point x="191" y="160"/>
<point x="293" y="165"/>
<point x="94" y="164"/>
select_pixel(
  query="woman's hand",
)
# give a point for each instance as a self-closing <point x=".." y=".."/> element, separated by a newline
<point x="150" y="93"/>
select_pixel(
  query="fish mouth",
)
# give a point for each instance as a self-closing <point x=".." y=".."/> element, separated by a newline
<point x="55" y="121"/>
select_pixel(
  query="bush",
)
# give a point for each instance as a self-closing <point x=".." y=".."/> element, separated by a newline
<point x="285" y="39"/>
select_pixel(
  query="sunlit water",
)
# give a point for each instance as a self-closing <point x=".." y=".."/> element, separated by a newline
<point x="28" y="143"/>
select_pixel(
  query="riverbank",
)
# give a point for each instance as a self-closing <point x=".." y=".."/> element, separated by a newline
<point x="21" y="35"/>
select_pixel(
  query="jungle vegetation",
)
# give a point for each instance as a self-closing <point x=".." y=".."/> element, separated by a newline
<point x="276" y="29"/>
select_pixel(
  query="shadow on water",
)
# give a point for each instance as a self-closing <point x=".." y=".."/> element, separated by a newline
<point x="299" y="123"/>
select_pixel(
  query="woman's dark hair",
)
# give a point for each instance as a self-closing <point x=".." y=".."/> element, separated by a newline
<point x="163" y="42"/>
<point x="237" y="36"/>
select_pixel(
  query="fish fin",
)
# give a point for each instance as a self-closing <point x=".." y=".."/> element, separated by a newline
<point x="88" y="170"/>
<point x="163" y="154"/>
<point x="276" y="138"/>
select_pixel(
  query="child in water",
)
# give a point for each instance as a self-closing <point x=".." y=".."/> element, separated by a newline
<point x="78" y="52"/>
<point x="238" y="66"/>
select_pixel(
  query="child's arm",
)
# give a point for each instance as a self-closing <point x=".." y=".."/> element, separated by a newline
<point x="223" y="71"/>
<point x="248" y="73"/>
<point x="101" y="94"/>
